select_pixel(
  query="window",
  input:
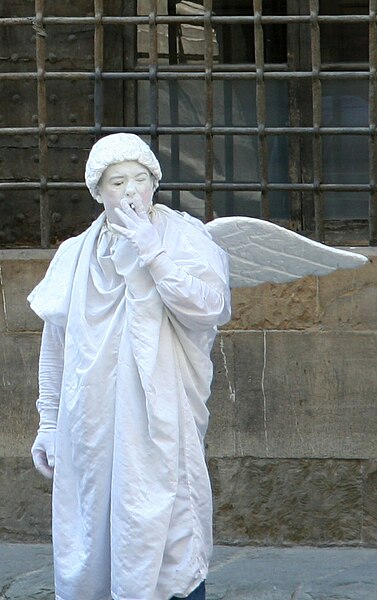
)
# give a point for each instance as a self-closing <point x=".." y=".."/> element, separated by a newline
<point x="255" y="108"/>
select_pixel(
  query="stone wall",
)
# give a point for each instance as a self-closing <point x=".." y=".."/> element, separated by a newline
<point x="24" y="495"/>
<point x="292" y="438"/>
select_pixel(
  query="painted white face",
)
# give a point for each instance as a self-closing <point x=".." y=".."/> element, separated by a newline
<point x="128" y="179"/>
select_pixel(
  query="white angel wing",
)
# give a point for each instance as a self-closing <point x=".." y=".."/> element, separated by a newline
<point x="261" y="251"/>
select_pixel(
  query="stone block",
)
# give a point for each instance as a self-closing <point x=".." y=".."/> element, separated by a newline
<point x="220" y="440"/>
<point x="2" y="304"/>
<point x="284" y="502"/>
<point x="236" y="403"/>
<point x="294" y="394"/>
<point x="319" y="395"/>
<point x="18" y="393"/>
<point x="348" y="299"/>
<point x="25" y="501"/>
<point x="249" y="386"/>
<point x="369" y="522"/>
<point x="19" y="277"/>
<point x="275" y="306"/>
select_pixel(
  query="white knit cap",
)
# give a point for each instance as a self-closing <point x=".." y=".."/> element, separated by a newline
<point x="116" y="148"/>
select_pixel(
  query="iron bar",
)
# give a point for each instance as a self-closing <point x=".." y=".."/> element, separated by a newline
<point x="229" y="138"/>
<point x="198" y="75"/>
<point x="261" y="108"/>
<point x="174" y="105"/>
<point x="98" y="67"/>
<point x="187" y="186"/>
<point x="317" y="119"/>
<point x="153" y="76"/>
<point x="191" y="130"/>
<point x="186" y="19"/>
<point x="373" y="123"/>
<point x="208" y="59"/>
<point x="130" y="86"/>
<point x="294" y="116"/>
<point x="40" y="47"/>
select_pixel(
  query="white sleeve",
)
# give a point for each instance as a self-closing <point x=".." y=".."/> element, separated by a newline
<point x="197" y="302"/>
<point x="50" y="373"/>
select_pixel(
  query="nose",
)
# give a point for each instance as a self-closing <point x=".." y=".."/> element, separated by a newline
<point x="130" y="188"/>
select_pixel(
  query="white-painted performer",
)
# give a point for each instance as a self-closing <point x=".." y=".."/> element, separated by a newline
<point x="130" y="308"/>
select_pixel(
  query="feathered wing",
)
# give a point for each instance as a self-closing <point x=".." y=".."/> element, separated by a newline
<point x="261" y="251"/>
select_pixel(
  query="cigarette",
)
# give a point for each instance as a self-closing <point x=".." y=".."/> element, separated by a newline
<point x="132" y="205"/>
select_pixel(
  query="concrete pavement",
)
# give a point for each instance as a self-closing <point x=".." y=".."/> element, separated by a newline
<point x="237" y="573"/>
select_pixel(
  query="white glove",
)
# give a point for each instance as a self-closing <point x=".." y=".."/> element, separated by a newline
<point x="138" y="230"/>
<point x="127" y="263"/>
<point x="43" y="452"/>
<point x="43" y="449"/>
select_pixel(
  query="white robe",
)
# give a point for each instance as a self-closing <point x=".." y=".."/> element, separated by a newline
<point x="132" y="508"/>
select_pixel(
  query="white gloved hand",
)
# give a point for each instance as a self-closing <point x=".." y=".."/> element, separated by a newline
<point x="43" y="452"/>
<point x="138" y="230"/>
<point x="43" y="449"/>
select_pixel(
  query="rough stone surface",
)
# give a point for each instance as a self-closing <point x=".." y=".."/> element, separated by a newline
<point x="276" y="502"/>
<point x="235" y="573"/>
<point x="272" y="306"/>
<point x="344" y="299"/>
<point x="26" y="572"/>
<point x="257" y="501"/>
<point x="19" y="277"/>
<point x="3" y="326"/>
<point x="319" y="392"/>
<point x="294" y="394"/>
<point x="292" y="574"/>
<point x="369" y="486"/>
<point x="25" y="501"/>
<point x="238" y="360"/>
<point x="348" y="299"/>
<point x="221" y="437"/>
<point x="18" y="393"/>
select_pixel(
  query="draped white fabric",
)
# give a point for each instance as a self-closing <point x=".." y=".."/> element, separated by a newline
<point x="132" y="505"/>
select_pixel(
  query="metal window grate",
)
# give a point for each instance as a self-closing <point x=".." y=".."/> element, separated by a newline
<point x="301" y="75"/>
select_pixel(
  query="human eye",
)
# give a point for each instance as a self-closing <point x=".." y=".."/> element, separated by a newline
<point x="141" y="178"/>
